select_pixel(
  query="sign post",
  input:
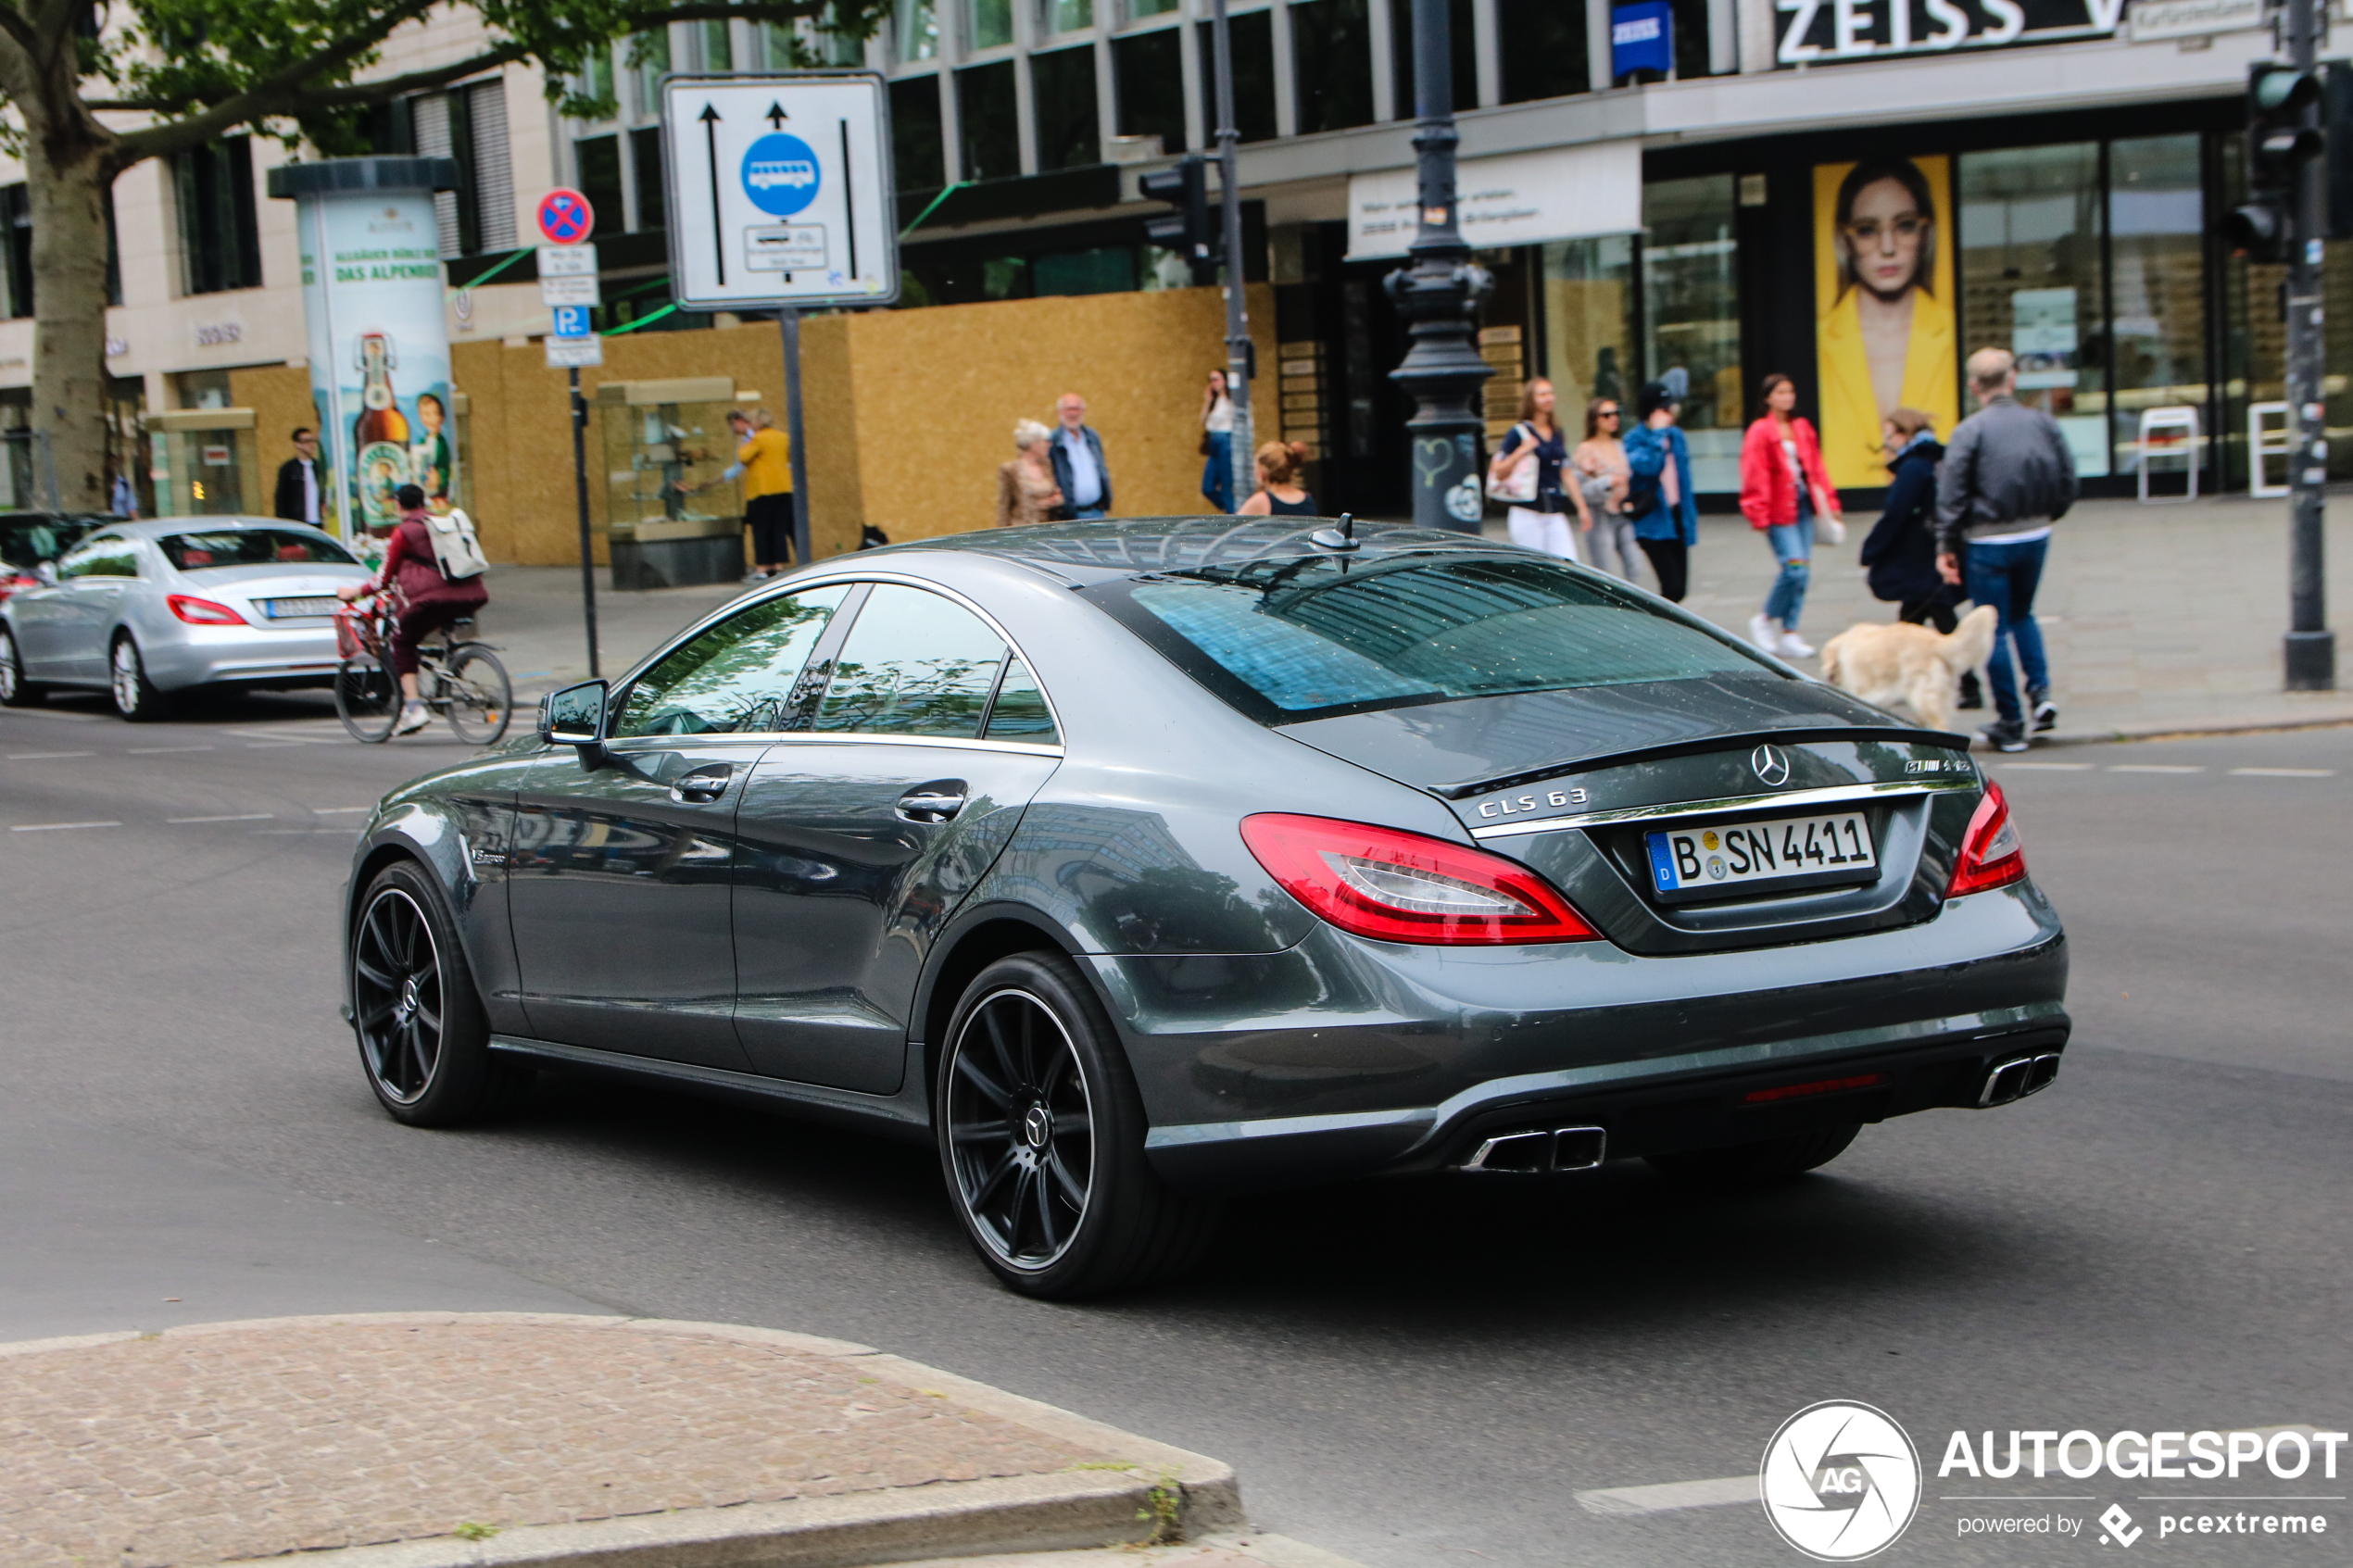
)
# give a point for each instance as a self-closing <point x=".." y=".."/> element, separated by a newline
<point x="780" y="199"/>
<point x="567" y="287"/>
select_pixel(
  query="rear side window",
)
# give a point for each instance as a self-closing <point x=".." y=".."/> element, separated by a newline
<point x="1290" y="639"/>
<point x="1020" y="712"/>
<point x="250" y="547"/>
<point x="111" y="557"/>
<point x="735" y="677"/>
<point x="914" y="664"/>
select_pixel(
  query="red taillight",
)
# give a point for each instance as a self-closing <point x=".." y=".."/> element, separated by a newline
<point x="1991" y="854"/>
<point x="203" y="612"/>
<point x="1401" y="886"/>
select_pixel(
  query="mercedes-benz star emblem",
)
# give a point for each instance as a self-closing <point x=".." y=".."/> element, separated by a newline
<point x="1772" y="764"/>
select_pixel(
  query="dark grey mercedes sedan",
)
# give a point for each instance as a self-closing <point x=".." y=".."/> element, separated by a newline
<point x="1133" y="864"/>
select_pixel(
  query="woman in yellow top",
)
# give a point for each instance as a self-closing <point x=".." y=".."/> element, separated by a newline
<point x="1886" y="343"/>
<point x="764" y="459"/>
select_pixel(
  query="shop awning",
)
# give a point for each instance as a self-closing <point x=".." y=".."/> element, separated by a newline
<point x="1508" y="199"/>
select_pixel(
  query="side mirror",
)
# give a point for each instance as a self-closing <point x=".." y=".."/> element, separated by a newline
<point x="47" y="572"/>
<point x="575" y="716"/>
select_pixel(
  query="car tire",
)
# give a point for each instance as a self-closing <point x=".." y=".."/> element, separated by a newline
<point x="423" y="1037"/>
<point x="14" y="690"/>
<point x="135" y="697"/>
<point x="1756" y="1164"/>
<point x="1040" y="1133"/>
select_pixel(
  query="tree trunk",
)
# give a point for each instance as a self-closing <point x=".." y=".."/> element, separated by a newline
<point x="68" y="212"/>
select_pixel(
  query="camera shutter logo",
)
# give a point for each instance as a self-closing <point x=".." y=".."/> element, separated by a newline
<point x="1841" y="1481"/>
<point x="1772" y="764"/>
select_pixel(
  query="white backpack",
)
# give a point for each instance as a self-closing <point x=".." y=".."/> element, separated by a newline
<point x="455" y="548"/>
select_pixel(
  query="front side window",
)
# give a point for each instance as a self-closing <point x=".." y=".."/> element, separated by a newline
<point x="735" y="677"/>
<point x="250" y="547"/>
<point x="111" y="557"/>
<point x="914" y="664"/>
<point x="1285" y="640"/>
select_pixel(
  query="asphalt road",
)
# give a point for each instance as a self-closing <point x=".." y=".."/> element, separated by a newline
<point x="1409" y="1374"/>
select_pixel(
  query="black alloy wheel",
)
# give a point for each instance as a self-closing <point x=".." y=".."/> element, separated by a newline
<point x="1041" y="1138"/>
<point x="135" y="697"/>
<point x="14" y="690"/>
<point x="423" y="1037"/>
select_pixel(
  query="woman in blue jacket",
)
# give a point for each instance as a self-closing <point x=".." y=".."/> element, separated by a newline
<point x="1659" y="495"/>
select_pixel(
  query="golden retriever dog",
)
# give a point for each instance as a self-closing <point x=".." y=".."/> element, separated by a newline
<point x="1915" y="665"/>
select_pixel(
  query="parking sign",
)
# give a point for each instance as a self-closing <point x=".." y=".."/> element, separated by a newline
<point x="779" y="189"/>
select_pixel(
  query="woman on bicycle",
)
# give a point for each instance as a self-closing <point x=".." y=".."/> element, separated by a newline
<point x="428" y="601"/>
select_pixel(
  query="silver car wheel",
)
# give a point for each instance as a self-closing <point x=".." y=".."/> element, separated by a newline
<point x="10" y="676"/>
<point x="396" y="996"/>
<point x="126" y="678"/>
<point x="1021" y="1124"/>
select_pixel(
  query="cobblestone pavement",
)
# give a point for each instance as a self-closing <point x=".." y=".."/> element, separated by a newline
<point x="204" y="1446"/>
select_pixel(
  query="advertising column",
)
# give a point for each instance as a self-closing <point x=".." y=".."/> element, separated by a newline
<point x="371" y="292"/>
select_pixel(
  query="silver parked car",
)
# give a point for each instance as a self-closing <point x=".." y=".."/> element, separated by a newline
<point x="144" y="609"/>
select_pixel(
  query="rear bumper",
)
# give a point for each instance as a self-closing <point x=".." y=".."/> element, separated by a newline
<point x="197" y="656"/>
<point x="1385" y="1058"/>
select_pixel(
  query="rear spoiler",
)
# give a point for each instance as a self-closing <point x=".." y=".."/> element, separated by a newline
<point x="1727" y="741"/>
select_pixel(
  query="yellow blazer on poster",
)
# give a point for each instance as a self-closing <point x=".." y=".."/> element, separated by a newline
<point x="1851" y="413"/>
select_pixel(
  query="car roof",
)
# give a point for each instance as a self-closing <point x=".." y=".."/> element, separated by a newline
<point x="1096" y="552"/>
<point x="163" y="527"/>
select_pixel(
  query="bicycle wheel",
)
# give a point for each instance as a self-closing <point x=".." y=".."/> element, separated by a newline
<point x="476" y="695"/>
<point x="367" y="699"/>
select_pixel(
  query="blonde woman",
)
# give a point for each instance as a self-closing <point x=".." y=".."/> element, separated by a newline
<point x="1279" y="492"/>
<point x="1025" y="489"/>
<point x="1545" y="525"/>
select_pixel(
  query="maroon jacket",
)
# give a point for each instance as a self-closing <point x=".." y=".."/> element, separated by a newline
<point x="410" y="564"/>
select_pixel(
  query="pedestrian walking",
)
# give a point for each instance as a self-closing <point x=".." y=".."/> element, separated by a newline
<point x="427" y="601"/>
<point x="1901" y="550"/>
<point x="299" y="491"/>
<point x="1080" y="472"/>
<point x="1217" y="445"/>
<point x="763" y="460"/>
<point x="1786" y="497"/>
<point x="1025" y="490"/>
<point x="1658" y="491"/>
<point x="1280" y="494"/>
<point x="1526" y="473"/>
<point x="1602" y="477"/>
<point x="2008" y="475"/>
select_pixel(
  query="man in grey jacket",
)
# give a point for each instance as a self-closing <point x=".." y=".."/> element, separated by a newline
<point x="2007" y="477"/>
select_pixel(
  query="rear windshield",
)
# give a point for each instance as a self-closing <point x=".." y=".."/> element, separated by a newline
<point x="1295" y="639"/>
<point x="27" y="542"/>
<point x="250" y="547"/>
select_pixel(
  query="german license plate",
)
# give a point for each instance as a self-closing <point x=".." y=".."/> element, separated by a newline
<point x="283" y="610"/>
<point x="1705" y="861"/>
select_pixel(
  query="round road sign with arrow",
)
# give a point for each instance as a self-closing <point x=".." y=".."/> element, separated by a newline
<point x="565" y="217"/>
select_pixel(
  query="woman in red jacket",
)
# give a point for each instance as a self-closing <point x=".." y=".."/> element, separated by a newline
<point x="428" y="600"/>
<point x="1783" y="489"/>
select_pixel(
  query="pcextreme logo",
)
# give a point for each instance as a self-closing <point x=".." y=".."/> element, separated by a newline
<point x="1841" y="1481"/>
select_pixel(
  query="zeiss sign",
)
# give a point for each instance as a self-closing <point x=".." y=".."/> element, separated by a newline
<point x="1823" y="30"/>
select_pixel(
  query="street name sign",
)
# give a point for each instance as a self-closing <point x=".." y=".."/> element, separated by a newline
<point x="779" y="189"/>
<point x="568" y="275"/>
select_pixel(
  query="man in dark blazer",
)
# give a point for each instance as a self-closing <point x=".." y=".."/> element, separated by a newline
<point x="1078" y="462"/>
<point x="300" y="488"/>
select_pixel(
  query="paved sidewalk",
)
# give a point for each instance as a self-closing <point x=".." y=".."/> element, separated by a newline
<point x="533" y="1437"/>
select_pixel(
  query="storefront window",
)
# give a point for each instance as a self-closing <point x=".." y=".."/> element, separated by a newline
<point x="1589" y="323"/>
<point x="2031" y="281"/>
<point x="2157" y="220"/>
<point x="1692" y="316"/>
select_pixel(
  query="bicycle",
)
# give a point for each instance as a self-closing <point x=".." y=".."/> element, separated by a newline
<point x="457" y="678"/>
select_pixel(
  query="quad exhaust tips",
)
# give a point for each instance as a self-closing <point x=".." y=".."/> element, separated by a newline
<point x="2019" y="1077"/>
<point x="1527" y="1154"/>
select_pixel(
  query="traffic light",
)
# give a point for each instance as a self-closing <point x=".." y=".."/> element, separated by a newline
<point x="1187" y="231"/>
<point x="2336" y="120"/>
<point x="2280" y="142"/>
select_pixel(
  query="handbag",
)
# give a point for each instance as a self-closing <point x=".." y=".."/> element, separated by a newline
<point x="1519" y="487"/>
<point x="1205" y="441"/>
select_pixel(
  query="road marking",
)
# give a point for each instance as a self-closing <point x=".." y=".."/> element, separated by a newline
<point x="290" y="737"/>
<point x="59" y="827"/>
<point x="2154" y="767"/>
<point x="45" y="756"/>
<point x="2047" y="767"/>
<point x="2285" y="773"/>
<point x="270" y="744"/>
<point x="160" y="750"/>
<point x="248" y="817"/>
<point x="338" y="811"/>
<point x="1671" y="1494"/>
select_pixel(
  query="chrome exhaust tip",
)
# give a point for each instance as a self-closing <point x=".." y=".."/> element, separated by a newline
<point x="1535" y="1153"/>
<point x="2019" y="1077"/>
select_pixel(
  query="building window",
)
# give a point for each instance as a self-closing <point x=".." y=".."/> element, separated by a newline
<point x="988" y="24"/>
<point x="1137" y="10"/>
<point x="2156" y="267"/>
<point x="2031" y="222"/>
<point x="914" y="31"/>
<point x="718" y="46"/>
<point x="1104" y="270"/>
<point x="989" y="115"/>
<point x="595" y="162"/>
<point x="596" y="75"/>
<point x="220" y="245"/>
<point x="1692" y="41"/>
<point x="1066" y="16"/>
<point x="1062" y="87"/>
<point x="1148" y="70"/>
<point x="1544" y="53"/>
<point x="1332" y="57"/>
<point x="1252" y="41"/>
<point x="650" y="51"/>
<point x="469" y="125"/>
<point x="645" y="158"/>
<point x="916" y="160"/>
<point x="1588" y="321"/>
<point x="1464" y="49"/>
<point x="1691" y="318"/>
<point x="15" y="265"/>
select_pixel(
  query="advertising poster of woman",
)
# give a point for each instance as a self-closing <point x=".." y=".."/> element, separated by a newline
<point x="1883" y="292"/>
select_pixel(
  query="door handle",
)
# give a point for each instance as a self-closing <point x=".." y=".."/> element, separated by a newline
<point x="703" y="785"/>
<point x="937" y="802"/>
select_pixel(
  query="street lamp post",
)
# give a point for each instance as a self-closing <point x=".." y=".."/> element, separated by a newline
<point x="1229" y="199"/>
<point x="1439" y="295"/>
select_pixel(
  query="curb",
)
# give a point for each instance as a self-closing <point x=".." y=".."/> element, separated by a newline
<point x="2186" y="728"/>
<point x="1060" y="1511"/>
